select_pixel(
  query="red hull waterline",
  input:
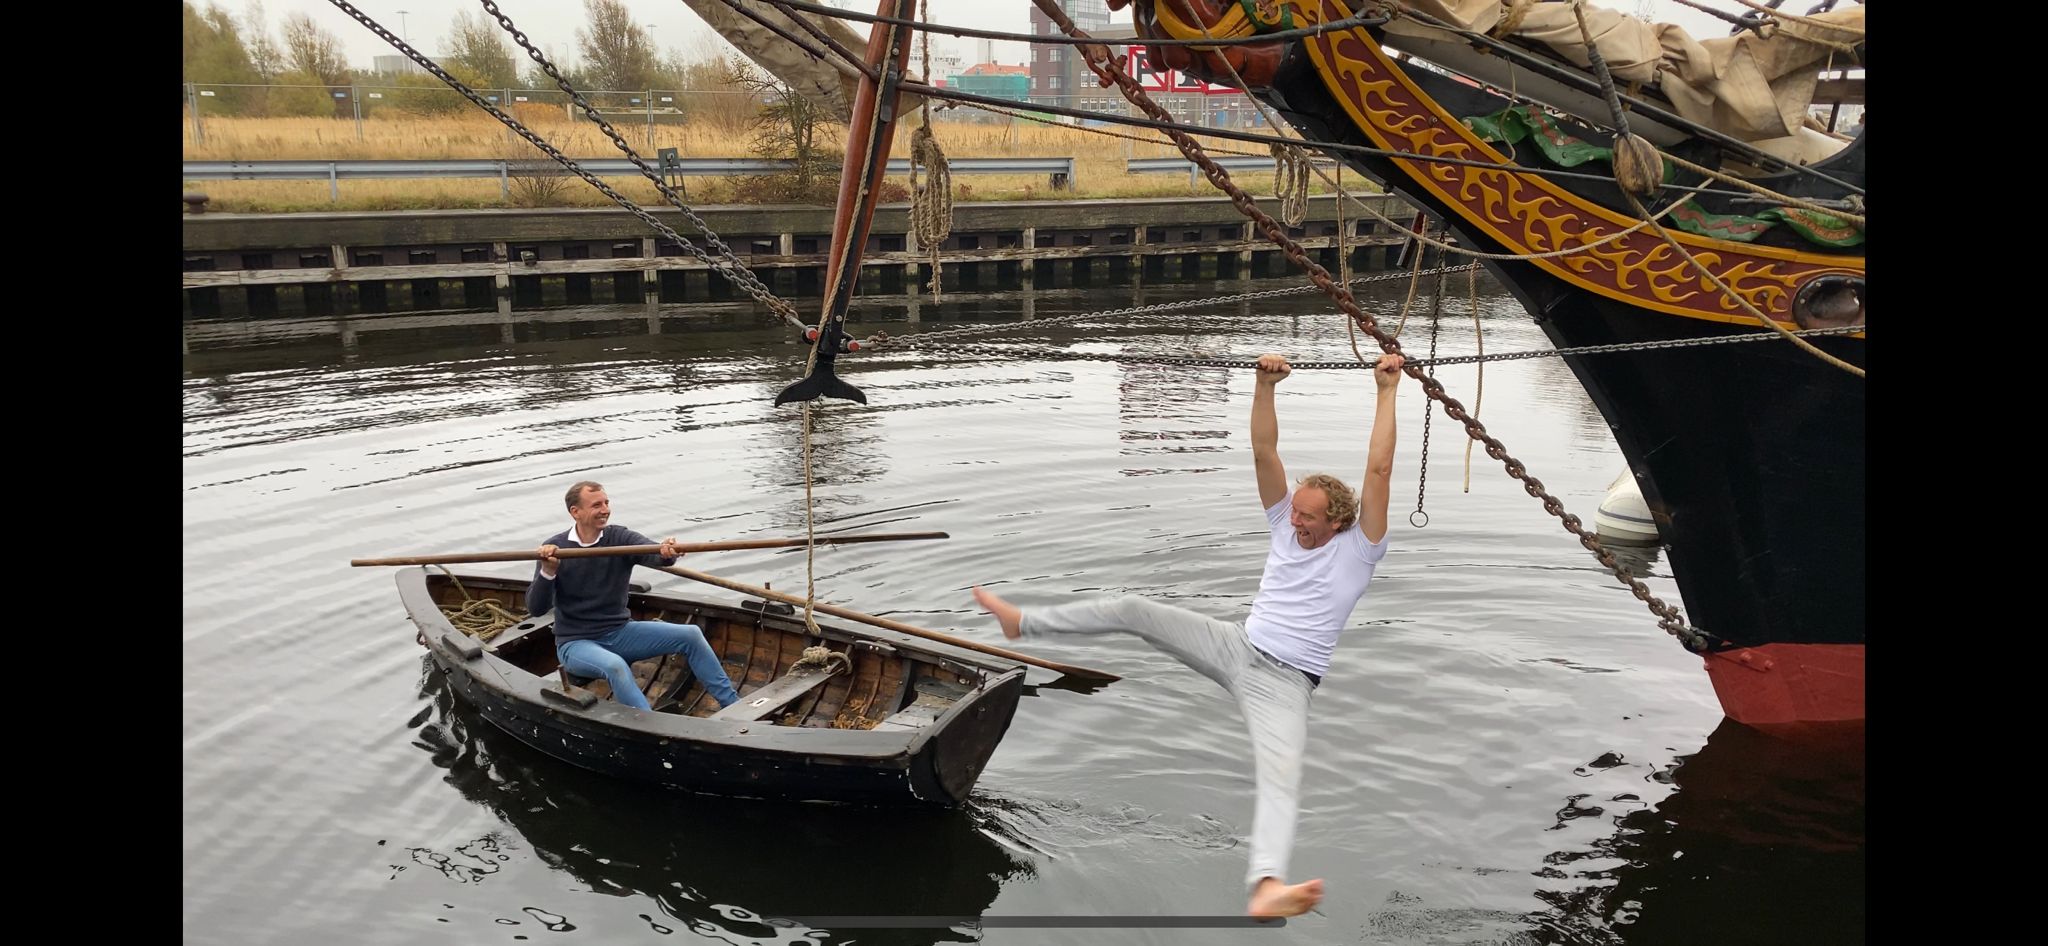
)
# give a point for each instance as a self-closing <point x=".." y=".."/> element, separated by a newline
<point x="1790" y="686"/>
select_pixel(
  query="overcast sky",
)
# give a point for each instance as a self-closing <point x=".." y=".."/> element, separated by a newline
<point x="553" y="23"/>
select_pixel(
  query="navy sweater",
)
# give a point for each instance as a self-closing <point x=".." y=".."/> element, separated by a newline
<point x="588" y="595"/>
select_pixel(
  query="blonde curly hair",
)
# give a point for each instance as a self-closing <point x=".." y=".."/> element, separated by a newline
<point x="1343" y="503"/>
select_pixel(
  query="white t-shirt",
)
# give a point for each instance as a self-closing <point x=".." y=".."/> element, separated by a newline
<point x="1306" y="595"/>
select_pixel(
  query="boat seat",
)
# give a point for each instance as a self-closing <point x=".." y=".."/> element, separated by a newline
<point x="933" y="700"/>
<point x="531" y="625"/>
<point x="773" y="697"/>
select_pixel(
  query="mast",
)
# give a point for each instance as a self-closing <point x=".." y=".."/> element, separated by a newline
<point x="869" y="136"/>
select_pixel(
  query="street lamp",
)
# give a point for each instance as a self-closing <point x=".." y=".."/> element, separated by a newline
<point x="403" y="33"/>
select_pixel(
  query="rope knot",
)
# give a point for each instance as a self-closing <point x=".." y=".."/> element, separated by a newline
<point x="821" y="656"/>
<point x="931" y="203"/>
<point x="1638" y="168"/>
<point x="1511" y="20"/>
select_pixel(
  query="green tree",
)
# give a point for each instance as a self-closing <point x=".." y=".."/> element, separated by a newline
<point x="311" y="50"/>
<point x="299" y="95"/>
<point x="216" y="55"/>
<point x="420" y="94"/>
<point x="536" y="78"/>
<point x="312" y="56"/>
<point x="618" y="55"/>
<point x="476" y="47"/>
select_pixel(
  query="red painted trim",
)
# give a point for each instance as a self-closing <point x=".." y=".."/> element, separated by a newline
<point x="1789" y="684"/>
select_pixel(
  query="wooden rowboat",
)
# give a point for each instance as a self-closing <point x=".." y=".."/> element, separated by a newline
<point x="898" y="721"/>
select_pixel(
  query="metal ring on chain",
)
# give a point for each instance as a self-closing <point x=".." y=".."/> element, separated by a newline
<point x="1418" y="512"/>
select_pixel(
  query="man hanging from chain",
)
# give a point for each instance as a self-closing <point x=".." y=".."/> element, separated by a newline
<point x="1323" y="547"/>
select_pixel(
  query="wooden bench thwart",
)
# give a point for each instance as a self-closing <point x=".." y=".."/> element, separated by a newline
<point x="933" y="700"/>
<point x="768" y="699"/>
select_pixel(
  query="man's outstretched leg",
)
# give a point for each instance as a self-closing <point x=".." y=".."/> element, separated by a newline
<point x="1008" y="615"/>
<point x="1215" y="649"/>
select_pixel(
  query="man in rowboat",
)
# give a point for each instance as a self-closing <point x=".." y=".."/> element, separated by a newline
<point x="595" y="634"/>
<point x="1323" y="549"/>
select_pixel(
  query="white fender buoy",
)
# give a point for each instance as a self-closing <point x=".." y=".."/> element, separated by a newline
<point x="1623" y="516"/>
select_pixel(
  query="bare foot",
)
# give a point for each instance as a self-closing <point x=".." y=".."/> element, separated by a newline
<point x="1008" y="615"/>
<point x="1273" y="898"/>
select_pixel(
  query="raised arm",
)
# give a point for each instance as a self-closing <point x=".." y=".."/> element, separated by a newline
<point x="1378" y="489"/>
<point x="1266" y="432"/>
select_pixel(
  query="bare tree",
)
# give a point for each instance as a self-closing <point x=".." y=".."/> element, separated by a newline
<point x="787" y="123"/>
<point x="618" y="55"/>
<point x="264" y="55"/>
<point x="313" y="51"/>
<point x="477" y="43"/>
<point x="708" y="46"/>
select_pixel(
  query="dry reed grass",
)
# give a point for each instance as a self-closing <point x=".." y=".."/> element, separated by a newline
<point x="1099" y="159"/>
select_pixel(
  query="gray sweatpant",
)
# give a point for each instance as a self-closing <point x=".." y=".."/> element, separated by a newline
<point x="1273" y="698"/>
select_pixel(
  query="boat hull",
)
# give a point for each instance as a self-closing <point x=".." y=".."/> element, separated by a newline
<point x="933" y="761"/>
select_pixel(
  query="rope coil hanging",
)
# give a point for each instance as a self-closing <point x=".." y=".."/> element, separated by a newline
<point x="1290" y="183"/>
<point x="931" y="202"/>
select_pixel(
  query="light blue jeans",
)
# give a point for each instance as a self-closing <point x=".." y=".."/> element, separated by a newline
<point x="611" y="656"/>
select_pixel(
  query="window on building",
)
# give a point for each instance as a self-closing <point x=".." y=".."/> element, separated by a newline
<point x="1052" y="82"/>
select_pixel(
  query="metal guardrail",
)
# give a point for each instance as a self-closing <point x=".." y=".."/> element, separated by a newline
<point x="1059" y="170"/>
<point x="1230" y="162"/>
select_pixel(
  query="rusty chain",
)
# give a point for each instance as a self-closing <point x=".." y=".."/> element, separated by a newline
<point x="1099" y="61"/>
<point x="1155" y="308"/>
<point x="1016" y="349"/>
<point x="1436" y="311"/>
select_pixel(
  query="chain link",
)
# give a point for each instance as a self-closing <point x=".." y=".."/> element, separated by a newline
<point x="1151" y="309"/>
<point x="1436" y="310"/>
<point x="729" y="267"/>
<point x="1016" y="349"/>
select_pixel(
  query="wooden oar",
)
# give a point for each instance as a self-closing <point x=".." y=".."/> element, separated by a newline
<point x="528" y="555"/>
<point x="852" y="615"/>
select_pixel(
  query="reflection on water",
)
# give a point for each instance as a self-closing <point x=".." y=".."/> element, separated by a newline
<point x="729" y="870"/>
<point x="1760" y="841"/>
